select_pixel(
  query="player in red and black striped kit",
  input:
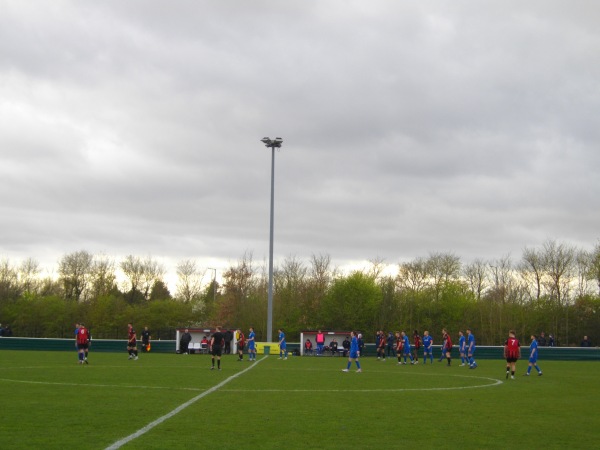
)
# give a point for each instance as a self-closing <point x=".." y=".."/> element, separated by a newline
<point x="399" y="347"/>
<point x="132" y="342"/>
<point x="446" y="347"/>
<point x="83" y="340"/>
<point x="512" y="352"/>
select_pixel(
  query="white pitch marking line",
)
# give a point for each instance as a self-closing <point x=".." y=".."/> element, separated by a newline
<point x="456" y="388"/>
<point x="100" y="385"/>
<point x="177" y="410"/>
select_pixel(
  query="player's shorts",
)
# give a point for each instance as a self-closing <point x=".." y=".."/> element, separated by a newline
<point x="511" y="360"/>
<point x="406" y="351"/>
<point x="472" y="352"/>
<point x="533" y="360"/>
<point x="282" y="346"/>
<point x="132" y="344"/>
<point x="216" y="350"/>
<point x="353" y="355"/>
<point x="82" y="346"/>
<point x="427" y="350"/>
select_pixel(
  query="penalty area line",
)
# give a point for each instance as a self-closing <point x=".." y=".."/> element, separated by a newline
<point x="177" y="410"/>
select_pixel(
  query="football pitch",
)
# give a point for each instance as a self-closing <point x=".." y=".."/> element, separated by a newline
<point x="168" y="401"/>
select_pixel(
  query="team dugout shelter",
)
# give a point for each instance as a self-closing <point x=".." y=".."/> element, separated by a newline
<point x="328" y="335"/>
<point x="198" y="334"/>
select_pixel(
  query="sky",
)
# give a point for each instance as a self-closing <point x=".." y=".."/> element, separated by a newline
<point x="133" y="128"/>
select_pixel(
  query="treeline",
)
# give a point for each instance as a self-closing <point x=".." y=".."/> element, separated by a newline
<point x="553" y="288"/>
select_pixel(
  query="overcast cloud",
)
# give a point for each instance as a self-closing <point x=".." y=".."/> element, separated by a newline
<point x="409" y="127"/>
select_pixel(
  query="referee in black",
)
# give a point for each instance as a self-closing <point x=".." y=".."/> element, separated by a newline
<point x="216" y="346"/>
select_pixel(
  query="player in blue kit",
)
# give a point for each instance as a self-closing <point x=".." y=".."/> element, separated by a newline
<point x="251" y="345"/>
<point x="462" y="348"/>
<point x="282" y="345"/>
<point x="353" y="354"/>
<point x="533" y="356"/>
<point x="406" y="348"/>
<point x="471" y="349"/>
<point x="427" y="347"/>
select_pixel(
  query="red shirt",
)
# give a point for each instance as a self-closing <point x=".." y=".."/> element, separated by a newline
<point x="447" y="342"/>
<point x="512" y="348"/>
<point x="417" y="341"/>
<point x="399" y="345"/>
<point x="83" y="335"/>
<point x="241" y="340"/>
<point x="132" y="336"/>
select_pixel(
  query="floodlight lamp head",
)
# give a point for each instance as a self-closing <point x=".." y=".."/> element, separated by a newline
<point x="266" y="140"/>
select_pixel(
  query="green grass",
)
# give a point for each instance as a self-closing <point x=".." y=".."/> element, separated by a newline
<point x="51" y="402"/>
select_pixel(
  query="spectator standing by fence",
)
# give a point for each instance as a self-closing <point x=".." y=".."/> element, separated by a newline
<point x="320" y="341"/>
<point x="184" y="341"/>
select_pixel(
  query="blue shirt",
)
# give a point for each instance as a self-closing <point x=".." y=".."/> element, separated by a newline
<point x="533" y="348"/>
<point x="427" y="340"/>
<point x="471" y="342"/>
<point x="282" y="338"/>
<point x="354" y="345"/>
<point x="461" y="344"/>
<point x="406" y="344"/>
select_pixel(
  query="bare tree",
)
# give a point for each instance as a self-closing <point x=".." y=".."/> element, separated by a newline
<point x="74" y="270"/>
<point x="532" y="269"/>
<point x="595" y="265"/>
<point x="413" y="275"/>
<point x="133" y="269"/>
<point x="501" y="272"/>
<point x="29" y="272"/>
<point x="377" y="267"/>
<point x="442" y="268"/>
<point x="103" y="277"/>
<point x="583" y="265"/>
<point x="152" y="272"/>
<point x="189" y="284"/>
<point x="476" y="275"/>
<point x="320" y="270"/>
<point x="559" y="261"/>
<point x="9" y="281"/>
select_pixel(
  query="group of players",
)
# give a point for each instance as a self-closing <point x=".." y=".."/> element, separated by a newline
<point x="466" y="348"/>
<point x="403" y="348"/>
<point x="402" y="344"/>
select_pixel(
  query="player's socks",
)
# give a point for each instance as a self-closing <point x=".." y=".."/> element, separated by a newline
<point x="349" y="365"/>
<point x="528" y="370"/>
<point x="218" y="363"/>
<point x="357" y="365"/>
<point x="449" y="360"/>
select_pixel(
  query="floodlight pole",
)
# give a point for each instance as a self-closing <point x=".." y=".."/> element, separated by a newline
<point x="214" y="284"/>
<point x="272" y="144"/>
